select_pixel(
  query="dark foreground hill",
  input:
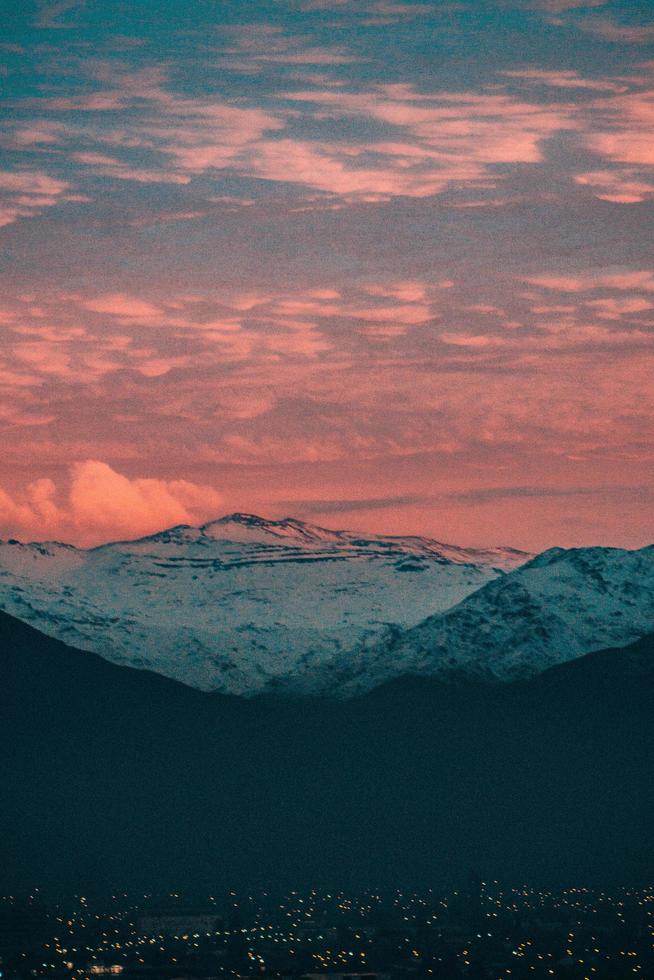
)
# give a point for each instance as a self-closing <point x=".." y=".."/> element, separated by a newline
<point x="114" y="777"/>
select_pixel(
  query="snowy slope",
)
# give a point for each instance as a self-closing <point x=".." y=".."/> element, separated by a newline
<point x="240" y="602"/>
<point x="560" y="605"/>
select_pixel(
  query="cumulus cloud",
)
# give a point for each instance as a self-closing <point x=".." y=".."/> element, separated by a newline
<point x="100" y="503"/>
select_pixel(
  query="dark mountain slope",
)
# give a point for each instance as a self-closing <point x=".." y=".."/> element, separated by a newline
<point x="120" y="778"/>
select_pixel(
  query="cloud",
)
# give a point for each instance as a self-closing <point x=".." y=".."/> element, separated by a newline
<point x="636" y="279"/>
<point x="565" y="79"/>
<point x="560" y="6"/>
<point x="488" y="495"/>
<point x="253" y="46"/>
<point x="470" y="340"/>
<point x="51" y="10"/>
<point x="120" y="305"/>
<point x="615" y="306"/>
<point x="415" y="144"/>
<point x="369" y="144"/>
<point x="381" y="11"/>
<point x="378" y="366"/>
<point x="478" y="495"/>
<point x="100" y="498"/>
<point x="106" y="166"/>
<point x="390" y="9"/>
<point x="313" y="506"/>
<point x="607" y="29"/>
<point x="324" y="4"/>
<point x="619" y="186"/>
<point x="406" y="291"/>
<point x="411" y="143"/>
<point x="619" y="131"/>
<point x="24" y="193"/>
<point x="431" y="142"/>
<point x="40" y="131"/>
<point x="101" y="503"/>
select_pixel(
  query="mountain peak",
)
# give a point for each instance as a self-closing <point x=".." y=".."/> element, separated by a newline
<point x="241" y="517"/>
<point x="252" y="526"/>
<point x="255" y="520"/>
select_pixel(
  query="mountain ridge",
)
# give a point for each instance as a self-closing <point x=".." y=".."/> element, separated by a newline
<point x="304" y="531"/>
<point x="562" y="604"/>
<point x="245" y="605"/>
<point x="122" y="778"/>
<point x="235" y="603"/>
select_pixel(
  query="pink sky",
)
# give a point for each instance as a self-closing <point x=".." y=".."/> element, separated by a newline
<point x="397" y="278"/>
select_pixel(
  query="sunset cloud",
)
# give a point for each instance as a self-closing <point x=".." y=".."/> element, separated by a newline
<point x="50" y="12"/>
<point x="619" y="186"/>
<point x="560" y="6"/>
<point x="442" y="139"/>
<point x="416" y="143"/>
<point x="565" y="79"/>
<point x="119" y="305"/>
<point x="99" y="501"/>
<point x="598" y="279"/>
<point x="25" y="193"/>
<point x="310" y="248"/>
<point x="608" y="29"/>
<point x="255" y="45"/>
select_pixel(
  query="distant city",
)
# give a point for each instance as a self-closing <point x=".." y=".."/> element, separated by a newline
<point x="485" y="931"/>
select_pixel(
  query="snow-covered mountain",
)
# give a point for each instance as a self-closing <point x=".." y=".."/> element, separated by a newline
<point x="244" y="605"/>
<point x="559" y="606"/>
<point x="239" y="603"/>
